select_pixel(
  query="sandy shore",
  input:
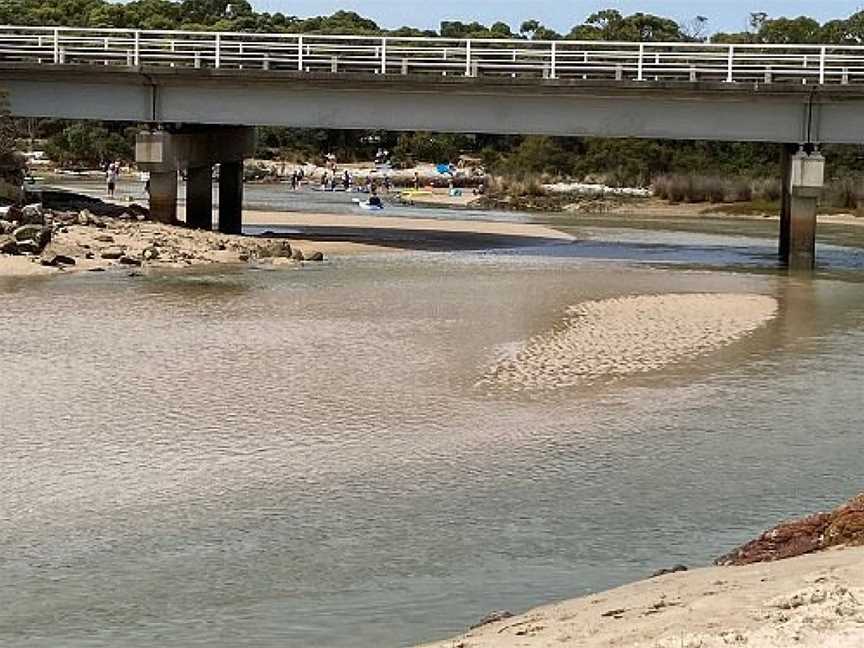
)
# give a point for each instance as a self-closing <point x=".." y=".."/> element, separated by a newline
<point x="629" y="335"/>
<point x="814" y="601"/>
<point x="417" y="226"/>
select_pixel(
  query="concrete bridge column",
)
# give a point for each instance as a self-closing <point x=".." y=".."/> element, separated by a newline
<point x="199" y="197"/>
<point x="231" y="197"/>
<point x="163" y="196"/>
<point x="801" y="193"/>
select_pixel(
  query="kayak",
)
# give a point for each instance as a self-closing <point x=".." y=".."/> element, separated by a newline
<point x="364" y="204"/>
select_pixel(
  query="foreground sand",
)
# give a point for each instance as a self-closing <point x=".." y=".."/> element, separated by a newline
<point x="815" y="601"/>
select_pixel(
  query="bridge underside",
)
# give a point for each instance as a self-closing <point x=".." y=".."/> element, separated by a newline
<point x="665" y="110"/>
<point x="788" y="114"/>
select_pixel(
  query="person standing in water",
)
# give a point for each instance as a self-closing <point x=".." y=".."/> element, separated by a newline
<point x="111" y="178"/>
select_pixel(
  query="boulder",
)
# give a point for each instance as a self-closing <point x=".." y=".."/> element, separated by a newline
<point x="297" y="254"/>
<point x="6" y="227"/>
<point x="8" y="244"/>
<point x="56" y="260"/>
<point x="315" y="256"/>
<point x="150" y="253"/>
<point x="84" y="217"/>
<point x="104" y="238"/>
<point x="40" y="234"/>
<point x="844" y="526"/>
<point x="130" y="261"/>
<point x="32" y="215"/>
<point x="113" y="253"/>
<point x="28" y="246"/>
<point x="13" y="214"/>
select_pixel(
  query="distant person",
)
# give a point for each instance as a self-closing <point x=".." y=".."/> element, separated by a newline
<point x="416" y="181"/>
<point x="111" y="179"/>
<point x="147" y="186"/>
<point x="388" y="184"/>
<point x="374" y="200"/>
<point x="324" y="181"/>
<point x="346" y="180"/>
<point x="294" y="180"/>
<point x="333" y="181"/>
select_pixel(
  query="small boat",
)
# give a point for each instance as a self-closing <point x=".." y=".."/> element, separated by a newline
<point x="364" y="204"/>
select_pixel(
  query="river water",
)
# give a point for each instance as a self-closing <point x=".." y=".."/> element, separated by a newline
<point x="307" y="458"/>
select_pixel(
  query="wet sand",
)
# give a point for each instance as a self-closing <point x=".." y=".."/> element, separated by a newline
<point x="815" y="601"/>
<point x="389" y="229"/>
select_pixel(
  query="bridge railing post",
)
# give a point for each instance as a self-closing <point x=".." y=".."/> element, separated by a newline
<point x="822" y="54"/>
<point x="383" y="56"/>
<point x="56" y="46"/>
<point x="640" y="64"/>
<point x="217" y="58"/>
<point x="136" y="57"/>
<point x="730" y="67"/>
<point x="468" y="61"/>
<point x="553" y="69"/>
<point x="300" y="53"/>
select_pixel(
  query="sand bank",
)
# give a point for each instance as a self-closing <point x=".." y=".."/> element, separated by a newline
<point x="815" y="601"/>
<point x="335" y="222"/>
<point x="629" y="335"/>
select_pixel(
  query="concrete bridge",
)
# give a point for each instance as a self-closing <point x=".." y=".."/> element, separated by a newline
<point x="190" y="85"/>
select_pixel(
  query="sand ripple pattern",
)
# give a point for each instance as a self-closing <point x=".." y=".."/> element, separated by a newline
<point x="629" y="335"/>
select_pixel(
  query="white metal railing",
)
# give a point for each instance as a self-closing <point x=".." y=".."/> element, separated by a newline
<point x="588" y="60"/>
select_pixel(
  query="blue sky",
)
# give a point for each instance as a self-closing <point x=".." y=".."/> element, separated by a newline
<point x="723" y="15"/>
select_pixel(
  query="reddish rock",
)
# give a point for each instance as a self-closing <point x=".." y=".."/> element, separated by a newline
<point x="844" y="526"/>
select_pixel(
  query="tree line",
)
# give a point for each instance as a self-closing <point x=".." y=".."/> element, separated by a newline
<point x="240" y="16"/>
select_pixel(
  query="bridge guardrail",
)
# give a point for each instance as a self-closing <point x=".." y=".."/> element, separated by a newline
<point x="392" y="55"/>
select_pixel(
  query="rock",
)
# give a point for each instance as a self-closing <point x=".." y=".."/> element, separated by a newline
<point x="150" y="253"/>
<point x="13" y="215"/>
<point x="97" y="269"/>
<point x="297" y="255"/>
<point x="32" y="215"/>
<point x="671" y="570"/>
<point x="39" y="234"/>
<point x="112" y="253"/>
<point x="84" y="217"/>
<point x="844" y="526"/>
<point x="89" y="255"/>
<point x="130" y="261"/>
<point x="315" y="256"/>
<point x="493" y="617"/>
<point x="28" y="246"/>
<point x="104" y="238"/>
<point x="8" y="244"/>
<point x="55" y="260"/>
<point x="243" y="258"/>
<point x="6" y="227"/>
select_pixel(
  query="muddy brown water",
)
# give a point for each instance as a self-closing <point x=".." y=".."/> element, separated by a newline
<point x="284" y="458"/>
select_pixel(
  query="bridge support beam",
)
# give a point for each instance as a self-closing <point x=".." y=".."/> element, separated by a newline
<point x="802" y="188"/>
<point x="231" y="197"/>
<point x="163" y="197"/>
<point x="199" y="197"/>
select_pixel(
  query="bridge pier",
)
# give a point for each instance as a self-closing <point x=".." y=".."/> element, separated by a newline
<point x="231" y="197"/>
<point x="803" y="179"/>
<point x="199" y="196"/>
<point x="197" y="149"/>
<point x="163" y="196"/>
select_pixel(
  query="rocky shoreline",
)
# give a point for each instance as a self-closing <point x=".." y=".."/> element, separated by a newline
<point x="34" y="240"/>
